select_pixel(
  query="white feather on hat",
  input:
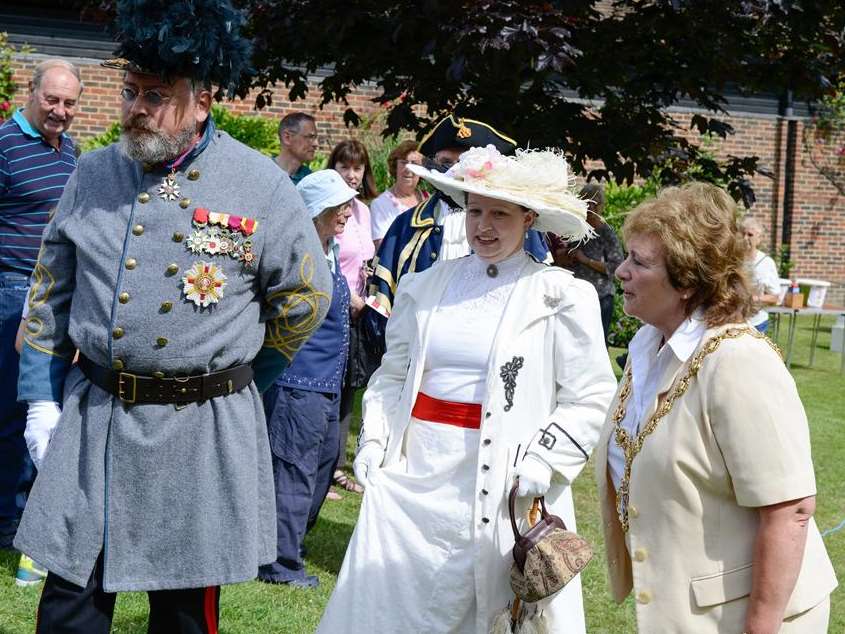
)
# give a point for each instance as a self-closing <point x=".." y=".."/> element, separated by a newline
<point x="537" y="179"/>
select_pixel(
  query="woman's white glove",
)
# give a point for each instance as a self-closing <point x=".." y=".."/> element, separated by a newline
<point x="41" y="420"/>
<point x="367" y="462"/>
<point x="535" y="477"/>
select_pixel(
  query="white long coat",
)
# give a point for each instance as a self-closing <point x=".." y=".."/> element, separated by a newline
<point x="554" y="408"/>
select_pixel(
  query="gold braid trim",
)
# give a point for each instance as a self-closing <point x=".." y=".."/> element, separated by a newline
<point x="412" y="268"/>
<point x="411" y="250"/>
<point x="385" y="274"/>
<point x="43" y="283"/>
<point x="632" y="446"/>
<point x="285" y="333"/>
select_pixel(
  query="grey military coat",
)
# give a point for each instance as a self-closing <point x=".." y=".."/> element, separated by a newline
<point x="173" y="497"/>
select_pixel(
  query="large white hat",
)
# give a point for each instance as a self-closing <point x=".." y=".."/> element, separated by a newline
<point x="324" y="189"/>
<point x="537" y="179"/>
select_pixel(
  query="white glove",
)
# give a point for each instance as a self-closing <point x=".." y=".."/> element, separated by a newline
<point x="41" y="420"/>
<point x="535" y="477"/>
<point x="367" y="462"/>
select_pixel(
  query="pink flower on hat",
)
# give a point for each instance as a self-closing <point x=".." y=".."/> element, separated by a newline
<point x="5" y="106"/>
<point x="476" y="163"/>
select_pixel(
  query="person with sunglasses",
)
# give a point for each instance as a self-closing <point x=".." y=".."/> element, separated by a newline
<point x="185" y="269"/>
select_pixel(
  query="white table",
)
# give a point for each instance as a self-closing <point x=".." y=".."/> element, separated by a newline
<point x="793" y="314"/>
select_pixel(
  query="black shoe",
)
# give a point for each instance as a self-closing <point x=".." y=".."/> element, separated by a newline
<point x="622" y="359"/>
<point x="307" y="582"/>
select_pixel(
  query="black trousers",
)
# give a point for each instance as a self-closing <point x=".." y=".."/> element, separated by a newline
<point x="606" y="305"/>
<point x="66" y="608"/>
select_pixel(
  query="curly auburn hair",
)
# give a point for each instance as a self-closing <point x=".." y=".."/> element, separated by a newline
<point x="399" y="153"/>
<point x="704" y="251"/>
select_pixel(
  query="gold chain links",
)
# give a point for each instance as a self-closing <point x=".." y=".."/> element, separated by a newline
<point x="632" y="446"/>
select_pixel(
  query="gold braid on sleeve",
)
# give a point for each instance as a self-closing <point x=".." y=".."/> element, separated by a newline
<point x="287" y="332"/>
<point x="43" y="283"/>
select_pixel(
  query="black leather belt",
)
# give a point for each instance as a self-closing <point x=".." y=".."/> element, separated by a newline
<point x="136" y="388"/>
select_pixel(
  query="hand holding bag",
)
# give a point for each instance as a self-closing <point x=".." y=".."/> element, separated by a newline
<point x="547" y="557"/>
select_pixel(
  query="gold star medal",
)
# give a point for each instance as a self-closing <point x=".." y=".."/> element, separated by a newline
<point x="203" y="284"/>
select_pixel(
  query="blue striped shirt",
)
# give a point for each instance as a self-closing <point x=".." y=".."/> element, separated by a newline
<point x="33" y="175"/>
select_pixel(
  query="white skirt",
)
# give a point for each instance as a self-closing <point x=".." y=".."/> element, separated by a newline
<point x="410" y="563"/>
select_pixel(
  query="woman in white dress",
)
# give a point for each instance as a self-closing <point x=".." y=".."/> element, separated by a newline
<point x="495" y="369"/>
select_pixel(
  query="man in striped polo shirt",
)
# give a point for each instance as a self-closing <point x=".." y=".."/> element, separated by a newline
<point x="36" y="160"/>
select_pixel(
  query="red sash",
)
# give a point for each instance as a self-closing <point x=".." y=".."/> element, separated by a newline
<point x="466" y="415"/>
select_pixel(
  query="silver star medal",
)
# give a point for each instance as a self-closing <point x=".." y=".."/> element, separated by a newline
<point x="169" y="188"/>
<point x="197" y="242"/>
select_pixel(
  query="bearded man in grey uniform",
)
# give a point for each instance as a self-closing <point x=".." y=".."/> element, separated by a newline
<point x="180" y="264"/>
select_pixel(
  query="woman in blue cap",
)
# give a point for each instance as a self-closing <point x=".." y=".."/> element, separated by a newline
<point x="303" y="405"/>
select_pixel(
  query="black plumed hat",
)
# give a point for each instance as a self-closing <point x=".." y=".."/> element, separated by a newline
<point x="455" y="131"/>
<point x="197" y="39"/>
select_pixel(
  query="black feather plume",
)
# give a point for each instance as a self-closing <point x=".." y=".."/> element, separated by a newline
<point x="199" y="39"/>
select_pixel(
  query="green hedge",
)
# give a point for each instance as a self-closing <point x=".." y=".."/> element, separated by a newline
<point x="621" y="199"/>
<point x="258" y="133"/>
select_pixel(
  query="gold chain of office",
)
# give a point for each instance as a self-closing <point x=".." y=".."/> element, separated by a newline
<point x="632" y="446"/>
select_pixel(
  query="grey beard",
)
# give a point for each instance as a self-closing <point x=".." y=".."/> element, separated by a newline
<point x="156" y="147"/>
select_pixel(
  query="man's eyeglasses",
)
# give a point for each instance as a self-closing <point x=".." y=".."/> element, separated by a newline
<point x="153" y="98"/>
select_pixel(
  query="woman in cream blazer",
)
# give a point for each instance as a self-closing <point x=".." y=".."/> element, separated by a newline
<point x="704" y="470"/>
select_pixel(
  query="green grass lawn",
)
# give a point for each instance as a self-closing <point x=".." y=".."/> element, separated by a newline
<point x="258" y="608"/>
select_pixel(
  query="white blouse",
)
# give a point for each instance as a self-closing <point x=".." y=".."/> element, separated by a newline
<point x="463" y="329"/>
<point x="383" y="211"/>
<point x="454" y="244"/>
<point x="766" y="280"/>
<point x="650" y="364"/>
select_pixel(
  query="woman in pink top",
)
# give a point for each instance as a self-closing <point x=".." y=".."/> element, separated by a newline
<point x="350" y="159"/>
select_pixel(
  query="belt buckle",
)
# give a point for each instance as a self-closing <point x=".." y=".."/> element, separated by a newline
<point x="122" y="381"/>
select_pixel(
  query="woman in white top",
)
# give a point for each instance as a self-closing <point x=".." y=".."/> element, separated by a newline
<point x="495" y="369"/>
<point x="764" y="274"/>
<point x="704" y="470"/>
<point x="402" y="195"/>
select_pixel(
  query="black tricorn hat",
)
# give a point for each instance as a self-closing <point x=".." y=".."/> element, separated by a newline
<point x="197" y="39"/>
<point x="454" y="131"/>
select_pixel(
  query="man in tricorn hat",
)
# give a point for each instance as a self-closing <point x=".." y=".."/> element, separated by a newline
<point x="433" y="230"/>
<point x="184" y="268"/>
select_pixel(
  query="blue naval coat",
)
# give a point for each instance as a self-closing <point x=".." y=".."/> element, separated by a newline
<point x="174" y="497"/>
<point x="412" y="244"/>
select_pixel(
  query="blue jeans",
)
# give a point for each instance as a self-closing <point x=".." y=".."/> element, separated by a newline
<point x="304" y="429"/>
<point x="16" y="469"/>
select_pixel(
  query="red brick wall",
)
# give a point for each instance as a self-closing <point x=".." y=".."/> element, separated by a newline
<point x="818" y="222"/>
<point x="818" y="232"/>
<point x="100" y="103"/>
